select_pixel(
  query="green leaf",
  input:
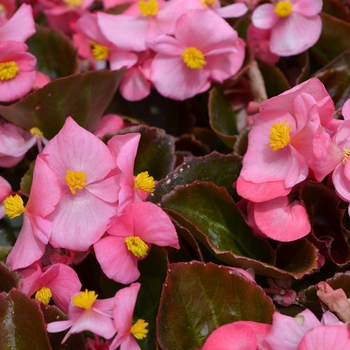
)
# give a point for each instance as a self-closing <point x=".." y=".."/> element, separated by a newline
<point x="275" y="81"/>
<point x="333" y="40"/>
<point x="336" y="78"/>
<point x="84" y="97"/>
<point x="220" y="169"/>
<point x="197" y="298"/>
<point x="27" y="179"/>
<point x="222" y="117"/>
<point x="55" y="53"/>
<point x="22" y="324"/>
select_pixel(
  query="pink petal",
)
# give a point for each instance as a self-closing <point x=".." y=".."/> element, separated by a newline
<point x="264" y="16"/>
<point x="167" y="45"/>
<point x="121" y="58"/>
<point x="232" y="11"/>
<point x="109" y="123"/>
<point x="134" y="86"/>
<point x="307" y="8"/>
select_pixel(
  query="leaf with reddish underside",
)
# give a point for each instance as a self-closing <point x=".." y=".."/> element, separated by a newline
<point x="8" y="279"/>
<point x="197" y="298"/>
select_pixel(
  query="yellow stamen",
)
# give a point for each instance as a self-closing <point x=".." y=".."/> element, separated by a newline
<point x="283" y="8"/>
<point x="139" y="329"/>
<point x="8" y="70"/>
<point x="44" y="295"/>
<point x="85" y="299"/>
<point x="73" y="3"/>
<point x="100" y="52"/>
<point x="279" y="137"/>
<point x="75" y="180"/>
<point x="2" y="8"/>
<point x="36" y="132"/>
<point x="194" y="58"/>
<point x="145" y="182"/>
<point x="207" y="3"/>
<point x="346" y="153"/>
<point x="136" y="246"/>
<point x="149" y="8"/>
<point x="13" y="206"/>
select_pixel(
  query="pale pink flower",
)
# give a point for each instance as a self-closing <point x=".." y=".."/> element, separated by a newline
<point x="240" y="335"/>
<point x="86" y="313"/>
<point x="86" y="171"/>
<point x="295" y="24"/>
<point x="109" y="124"/>
<point x="130" y="237"/>
<point x="17" y="70"/>
<point x="281" y="144"/>
<point x="205" y="49"/>
<point x="5" y="191"/>
<point x="57" y="281"/>
<point x="125" y="301"/>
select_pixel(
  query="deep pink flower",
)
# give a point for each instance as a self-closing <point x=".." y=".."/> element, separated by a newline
<point x="125" y="301"/>
<point x="5" y="191"/>
<point x="109" y="124"/>
<point x="205" y="49"/>
<point x="86" y="313"/>
<point x="295" y="24"/>
<point x="240" y="335"/>
<point x="131" y="235"/>
<point x="58" y="281"/>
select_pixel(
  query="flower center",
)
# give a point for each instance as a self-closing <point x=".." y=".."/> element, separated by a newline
<point x="279" y="137"/>
<point x="139" y="329"/>
<point x="100" y="52"/>
<point x="36" y="132"/>
<point x="207" y="3"/>
<point x="8" y="70"/>
<point x="346" y="153"/>
<point x="194" y="58"/>
<point x="44" y="295"/>
<point x="13" y="206"/>
<point x="85" y="299"/>
<point x="136" y="246"/>
<point x="283" y="8"/>
<point x="75" y="180"/>
<point x="149" y="8"/>
<point x="145" y="182"/>
<point x="73" y="3"/>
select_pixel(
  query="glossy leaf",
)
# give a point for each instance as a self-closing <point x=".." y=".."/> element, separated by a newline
<point x="84" y="97"/>
<point x="8" y="279"/>
<point x="26" y="181"/>
<point x="22" y="324"/>
<point x="322" y="204"/>
<point x="220" y="169"/>
<point x="336" y="78"/>
<point x="222" y="117"/>
<point x="197" y="298"/>
<point x="55" y="53"/>
<point x="275" y="81"/>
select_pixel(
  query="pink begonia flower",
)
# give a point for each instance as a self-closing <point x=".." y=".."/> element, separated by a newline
<point x="17" y="70"/>
<point x="281" y="143"/>
<point x="205" y="49"/>
<point x="20" y="27"/>
<point x="109" y="124"/>
<point x="44" y="195"/>
<point x="125" y="301"/>
<point x="326" y="338"/>
<point x="58" y="282"/>
<point x="14" y="144"/>
<point x="131" y="235"/>
<point x="240" y="335"/>
<point x="259" y="40"/>
<point x="281" y="291"/>
<point x="7" y="8"/>
<point x="279" y="219"/>
<point x="295" y="25"/>
<point x="5" y="191"/>
<point x="86" y="313"/>
<point x="41" y="80"/>
<point x="86" y="171"/>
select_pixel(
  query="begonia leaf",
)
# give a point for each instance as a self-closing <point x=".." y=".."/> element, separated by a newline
<point x="8" y="279"/>
<point x="336" y="78"/>
<point x="84" y="97"/>
<point x="222" y="117"/>
<point x="74" y="342"/>
<point x="322" y="204"/>
<point x="209" y="138"/>
<point x="22" y="325"/>
<point x="197" y="298"/>
<point x="4" y="252"/>
<point x="213" y="212"/>
<point x="336" y="9"/>
<point x="220" y="169"/>
<point x="275" y="81"/>
<point x="333" y="40"/>
<point x="26" y="181"/>
<point x="188" y="143"/>
<point x="55" y="53"/>
<point x="155" y="153"/>
<point x="241" y="145"/>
